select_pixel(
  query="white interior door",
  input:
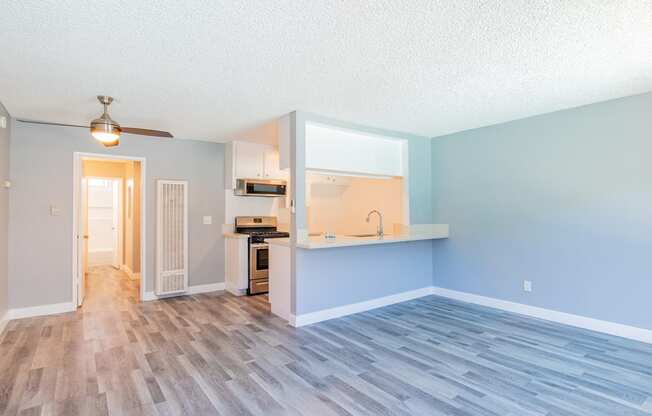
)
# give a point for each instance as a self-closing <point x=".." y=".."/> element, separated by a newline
<point x="116" y="226"/>
<point x="82" y="244"/>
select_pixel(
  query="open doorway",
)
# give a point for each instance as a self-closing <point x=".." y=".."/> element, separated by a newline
<point x="109" y="228"/>
<point x="103" y="220"/>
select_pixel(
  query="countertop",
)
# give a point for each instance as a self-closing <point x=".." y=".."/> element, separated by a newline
<point x="422" y="232"/>
<point x="235" y="235"/>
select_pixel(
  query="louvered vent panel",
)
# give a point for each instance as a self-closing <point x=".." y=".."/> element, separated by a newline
<point x="172" y="237"/>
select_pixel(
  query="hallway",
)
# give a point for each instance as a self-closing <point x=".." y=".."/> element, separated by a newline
<point x="109" y="289"/>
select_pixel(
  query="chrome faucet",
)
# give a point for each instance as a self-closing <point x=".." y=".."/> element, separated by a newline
<point x="380" y="231"/>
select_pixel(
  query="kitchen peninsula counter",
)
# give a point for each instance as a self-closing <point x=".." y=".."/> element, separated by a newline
<point x="414" y="233"/>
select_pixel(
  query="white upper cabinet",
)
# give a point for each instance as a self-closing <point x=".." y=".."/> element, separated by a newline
<point x="249" y="160"/>
<point x="271" y="161"/>
<point x="246" y="160"/>
<point x="331" y="149"/>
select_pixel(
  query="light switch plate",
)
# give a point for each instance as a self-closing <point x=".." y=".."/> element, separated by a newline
<point x="208" y="220"/>
<point x="3" y="122"/>
<point x="54" y="210"/>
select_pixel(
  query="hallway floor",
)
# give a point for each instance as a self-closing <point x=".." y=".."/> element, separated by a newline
<point x="218" y="354"/>
<point x="109" y="289"/>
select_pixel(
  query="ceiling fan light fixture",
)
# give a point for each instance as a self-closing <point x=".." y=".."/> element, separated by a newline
<point x="107" y="133"/>
<point x="104" y="129"/>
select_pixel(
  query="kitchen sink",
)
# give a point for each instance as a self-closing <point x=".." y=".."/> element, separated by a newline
<point x="362" y="235"/>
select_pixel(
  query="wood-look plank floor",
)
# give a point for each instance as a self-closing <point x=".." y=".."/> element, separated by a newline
<point x="216" y="354"/>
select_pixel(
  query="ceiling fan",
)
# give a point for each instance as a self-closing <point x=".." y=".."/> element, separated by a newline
<point x="105" y="129"/>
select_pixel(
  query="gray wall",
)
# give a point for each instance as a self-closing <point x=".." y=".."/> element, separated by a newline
<point x="563" y="199"/>
<point x="40" y="266"/>
<point x="4" y="211"/>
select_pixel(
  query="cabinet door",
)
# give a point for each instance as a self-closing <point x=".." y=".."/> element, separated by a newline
<point x="330" y="149"/>
<point x="237" y="265"/>
<point x="248" y="161"/>
<point x="271" y="164"/>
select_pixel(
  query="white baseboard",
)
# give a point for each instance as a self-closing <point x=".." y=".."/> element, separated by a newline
<point x="339" y="311"/>
<point x="192" y="290"/>
<point x="211" y="287"/>
<point x="147" y="296"/>
<point x="3" y="322"/>
<point x="606" y="327"/>
<point x="236" y="292"/>
<point x="18" y="313"/>
<point x="43" y="310"/>
<point x="127" y="271"/>
<point x="625" y="331"/>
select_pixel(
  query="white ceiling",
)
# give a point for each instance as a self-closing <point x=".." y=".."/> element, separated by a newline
<point x="206" y="69"/>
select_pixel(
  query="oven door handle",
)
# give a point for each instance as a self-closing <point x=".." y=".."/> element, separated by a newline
<point x="259" y="245"/>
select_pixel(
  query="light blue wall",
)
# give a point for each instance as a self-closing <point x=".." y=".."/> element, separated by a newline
<point x="420" y="181"/>
<point x="327" y="278"/>
<point x="563" y="200"/>
<point x="40" y="245"/>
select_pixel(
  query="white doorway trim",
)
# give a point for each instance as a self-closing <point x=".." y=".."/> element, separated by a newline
<point x="76" y="204"/>
<point x="118" y="223"/>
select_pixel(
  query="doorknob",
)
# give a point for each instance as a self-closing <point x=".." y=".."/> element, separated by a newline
<point x="86" y="237"/>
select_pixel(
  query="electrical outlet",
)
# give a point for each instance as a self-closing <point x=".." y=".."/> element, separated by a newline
<point x="527" y="286"/>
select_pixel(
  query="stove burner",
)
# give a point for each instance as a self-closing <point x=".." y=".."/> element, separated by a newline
<point x="258" y="235"/>
<point x="269" y="234"/>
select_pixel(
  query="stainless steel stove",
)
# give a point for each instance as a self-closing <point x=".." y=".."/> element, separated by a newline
<point x="259" y="229"/>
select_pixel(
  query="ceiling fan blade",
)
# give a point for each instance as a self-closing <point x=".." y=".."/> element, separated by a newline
<point x="147" y="132"/>
<point x="22" y="120"/>
<point x="131" y="130"/>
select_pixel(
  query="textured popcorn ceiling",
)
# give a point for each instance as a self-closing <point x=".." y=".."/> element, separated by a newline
<point x="207" y="69"/>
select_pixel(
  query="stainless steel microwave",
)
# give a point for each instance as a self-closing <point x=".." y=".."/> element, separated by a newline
<point x="260" y="187"/>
